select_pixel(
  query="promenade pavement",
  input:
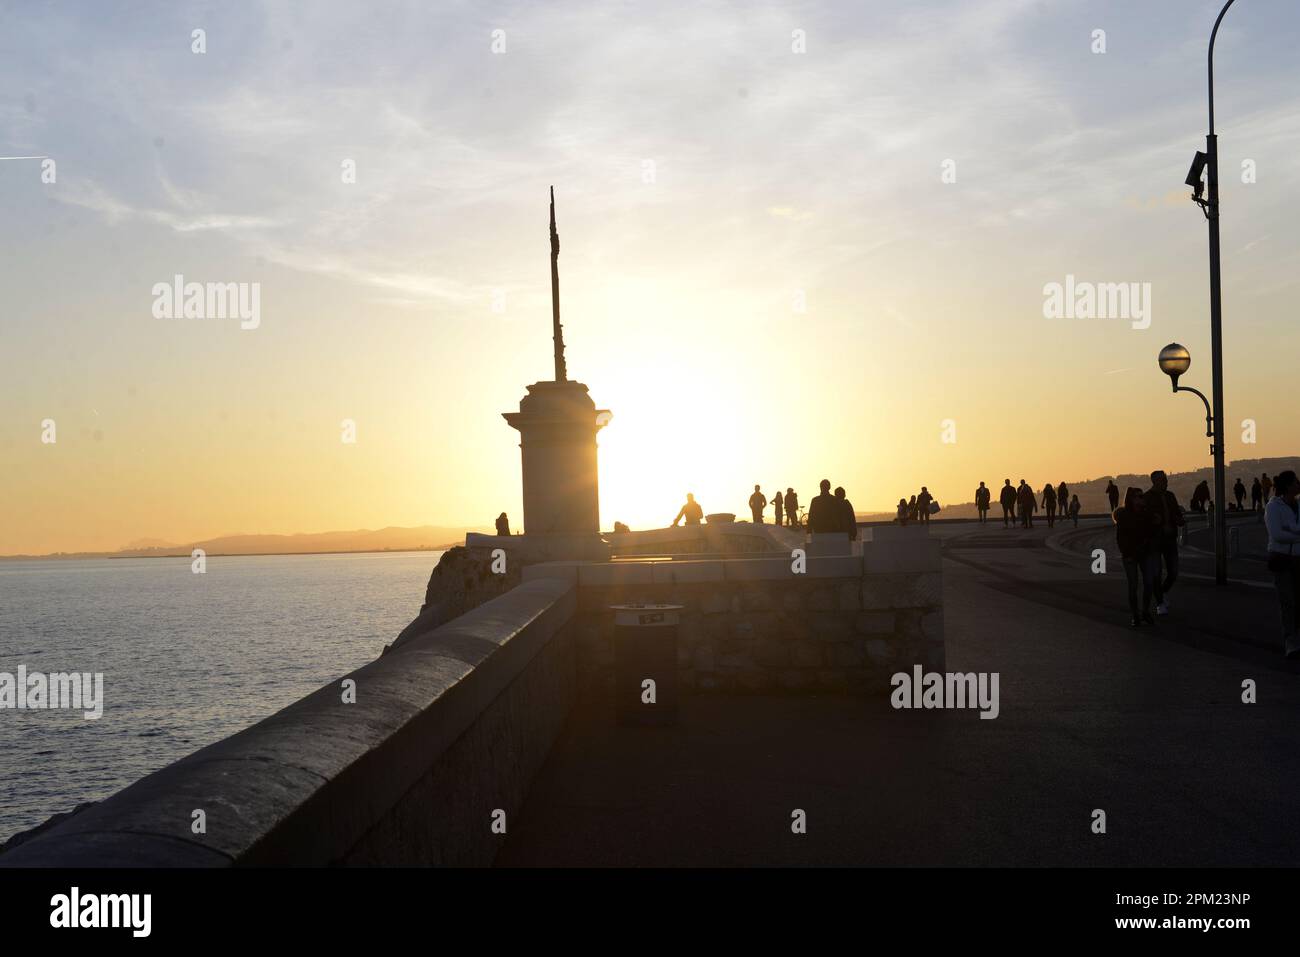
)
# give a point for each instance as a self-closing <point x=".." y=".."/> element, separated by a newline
<point x="1146" y="724"/>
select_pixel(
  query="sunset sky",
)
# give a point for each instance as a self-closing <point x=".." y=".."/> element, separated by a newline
<point x="709" y="180"/>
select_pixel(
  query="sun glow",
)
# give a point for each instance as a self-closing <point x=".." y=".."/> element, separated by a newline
<point x="665" y="442"/>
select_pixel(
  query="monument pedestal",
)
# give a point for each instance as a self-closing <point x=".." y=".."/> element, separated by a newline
<point x="557" y="423"/>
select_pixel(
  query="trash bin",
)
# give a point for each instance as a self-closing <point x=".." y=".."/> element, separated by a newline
<point x="645" y="650"/>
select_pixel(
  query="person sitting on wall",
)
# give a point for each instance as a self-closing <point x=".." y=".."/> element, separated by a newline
<point x="824" y="513"/>
<point x="691" y="511"/>
<point x="620" y="527"/>
<point x="503" y="524"/>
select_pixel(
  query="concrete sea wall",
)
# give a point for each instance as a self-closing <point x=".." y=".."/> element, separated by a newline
<point x="446" y="731"/>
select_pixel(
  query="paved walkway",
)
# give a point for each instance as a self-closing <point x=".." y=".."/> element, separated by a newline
<point x="1146" y="724"/>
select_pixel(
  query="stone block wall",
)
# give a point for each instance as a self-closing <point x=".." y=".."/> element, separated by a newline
<point x="848" y="623"/>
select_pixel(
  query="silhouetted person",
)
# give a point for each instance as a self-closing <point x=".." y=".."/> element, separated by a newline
<point x="1256" y="496"/>
<point x="757" y="502"/>
<point x="778" y="504"/>
<point x="1112" y="494"/>
<point x="619" y="528"/>
<point x="982" y="498"/>
<point x="1266" y="486"/>
<point x="792" y="508"/>
<point x="1026" y="502"/>
<point x="1074" y="510"/>
<point x="849" y="518"/>
<point x="1168" y="518"/>
<point x="1282" y="519"/>
<point x="824" y="512"/>
<point x="1200" y="497"/>
<point x="1063" y="498"/>
<point x="911" y="509"/>
<point x="902" y="511"/>
<point x="691" y="511"/>
<point x="1239" y="493"/>
<point x="1134" y="534"/>
<point x="1008" y="500"/>
<point x="1049" y="504"/>
<point x="503" y="524"/>
<point x="923" y="501"/>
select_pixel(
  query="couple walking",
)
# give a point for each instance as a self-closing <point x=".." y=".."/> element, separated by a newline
<point x="1146" y="532"/>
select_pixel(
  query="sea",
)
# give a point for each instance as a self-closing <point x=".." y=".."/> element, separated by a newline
<point x="186" y="658"/>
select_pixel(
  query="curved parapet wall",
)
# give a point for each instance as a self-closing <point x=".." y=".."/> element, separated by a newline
<point x="729" y="538"/>
<point x="445" y="732"/>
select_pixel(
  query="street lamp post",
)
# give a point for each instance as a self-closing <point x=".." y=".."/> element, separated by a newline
<point x="1209" y="163"/>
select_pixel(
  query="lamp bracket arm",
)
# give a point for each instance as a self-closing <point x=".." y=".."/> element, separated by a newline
<point x="1209" y="415"/>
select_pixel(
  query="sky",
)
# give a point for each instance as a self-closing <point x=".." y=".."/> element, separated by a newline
<point x="799" y="240"/>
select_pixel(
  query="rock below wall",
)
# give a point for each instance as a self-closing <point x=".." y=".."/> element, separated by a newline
<point x="461" y="581"/>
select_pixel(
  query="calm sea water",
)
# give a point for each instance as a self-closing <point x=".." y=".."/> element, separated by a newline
<point x="187" y="659"/>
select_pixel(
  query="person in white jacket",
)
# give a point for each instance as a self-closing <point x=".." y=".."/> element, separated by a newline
<point x="1282" y="518"/>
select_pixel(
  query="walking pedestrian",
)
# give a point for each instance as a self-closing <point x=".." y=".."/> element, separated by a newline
<point x="1049" y="504"/>
<point x="1134" y="531"/>
<point x="1007" y="498"/>
<point x="1168" y="519"/>
<point x="1026" y="502"/>
<point x="1282" y="517"/>
<point x="982" y="498"/>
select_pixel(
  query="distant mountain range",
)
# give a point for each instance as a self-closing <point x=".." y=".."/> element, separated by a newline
<point x="1092" y="492"/>
<point x="392" y="539"/>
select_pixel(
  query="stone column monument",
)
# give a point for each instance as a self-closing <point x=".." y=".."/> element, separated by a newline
<point x="557" y="423"/>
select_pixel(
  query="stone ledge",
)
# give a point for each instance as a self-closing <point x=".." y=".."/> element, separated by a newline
<point x="304" y="785"/>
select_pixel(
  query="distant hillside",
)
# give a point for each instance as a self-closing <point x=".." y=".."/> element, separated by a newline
<point x="392" y="539"/>
<point x="1092" y="492"/>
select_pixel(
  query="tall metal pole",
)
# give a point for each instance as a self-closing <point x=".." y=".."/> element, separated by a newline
<point x="557" y="333"/>
<point x="1216" y="325"/>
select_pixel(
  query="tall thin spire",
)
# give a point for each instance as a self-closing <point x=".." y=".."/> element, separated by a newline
<point x="558" y="331"/>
